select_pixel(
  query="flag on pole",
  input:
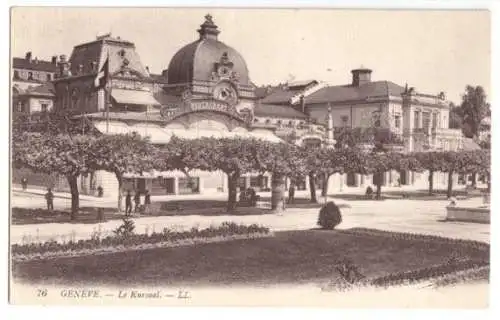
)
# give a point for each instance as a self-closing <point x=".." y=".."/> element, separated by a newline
<point x="102" y="75"/>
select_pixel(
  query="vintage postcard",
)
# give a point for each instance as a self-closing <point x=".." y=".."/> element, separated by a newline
<point x="250" y="157"/>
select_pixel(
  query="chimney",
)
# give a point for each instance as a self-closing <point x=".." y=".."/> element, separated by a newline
<point x="28" y="56"/>
<point x="54" y="60"/>
<point x="361" y="76"/>
<point x="62" y="58"/>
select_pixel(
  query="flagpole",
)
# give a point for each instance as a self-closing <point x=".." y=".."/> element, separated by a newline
<point x="108" y="94"/>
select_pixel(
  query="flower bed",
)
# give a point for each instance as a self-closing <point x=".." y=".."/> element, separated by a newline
<point x="168" y="238"/>
<point x="416" y="236"/>
<point x="409" y="277"/>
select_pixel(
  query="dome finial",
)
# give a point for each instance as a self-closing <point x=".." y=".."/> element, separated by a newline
<point x="208" y="18"/>
<point x="208" y="30"/>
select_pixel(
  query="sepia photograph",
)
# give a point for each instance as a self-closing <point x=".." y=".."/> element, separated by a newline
<point x="270" y="157"/>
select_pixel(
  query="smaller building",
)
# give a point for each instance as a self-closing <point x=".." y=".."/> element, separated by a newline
<point x="32" y="90"/>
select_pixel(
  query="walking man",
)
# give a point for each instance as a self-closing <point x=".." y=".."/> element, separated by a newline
<point x="137" y="200"/>
<point x="128" y="203"/>
<point x="24" y="183"/>
<point x="291" y="193"/>
<point x="147" y="202"/>
<point x="49" y="197"/>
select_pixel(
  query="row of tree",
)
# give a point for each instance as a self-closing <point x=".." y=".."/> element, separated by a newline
<point x="78" y="154"/>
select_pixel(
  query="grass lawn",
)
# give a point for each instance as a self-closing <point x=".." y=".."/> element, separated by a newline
<point x="291" y="257"/>
<point x="22" y="216"/>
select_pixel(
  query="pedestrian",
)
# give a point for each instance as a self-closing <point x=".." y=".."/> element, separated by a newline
<point x="291" y="193"/>
<point x="100" y="191"/>
<point x="137" y="201"/>
<point x="24" y="183"/>
<point x="49" y="197"/>
<point x="128" y="203"/>
<point x="147" y="202"/>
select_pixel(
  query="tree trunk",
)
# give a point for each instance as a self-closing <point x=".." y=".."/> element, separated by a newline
<point x="450" y="184"/>
<point x="75" y="196"/>
<point x="277" y="193"/>
<point x="312" y="188"/>
<point x="232" y="188"/>
<point x="474" y="180"/>
<point x="120" y="195"/>
<point x="379" y="185"/>
<point x="488" y="177"/>
<point x="431" y="182"/>
<point x="324" y="188"/>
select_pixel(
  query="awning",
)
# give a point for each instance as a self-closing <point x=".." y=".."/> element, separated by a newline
<point x="156" y="135"/>
<point x="162" y="136"/>
<point x="134" y="97"/>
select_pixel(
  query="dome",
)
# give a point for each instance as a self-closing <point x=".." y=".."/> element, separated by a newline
<point x="196" y="61"/>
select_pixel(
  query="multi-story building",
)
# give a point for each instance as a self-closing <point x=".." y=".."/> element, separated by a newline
<point x="32" y="91"/>
<point x="419" y="120"/>
<point x="205" y="92"/>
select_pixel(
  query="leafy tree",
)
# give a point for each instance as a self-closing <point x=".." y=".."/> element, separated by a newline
<point x="121" y="154"/>
<point x="281" y="160"/>
<point x="474" y="108"/>
<point x="63" y="154"/>
<point x="234" y="157"/>
<point x="433" y="162"/>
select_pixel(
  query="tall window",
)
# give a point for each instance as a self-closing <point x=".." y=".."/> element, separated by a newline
<point x="49" y="77"/>
<point x="416" y="119"/>
<point x="30" y="75"/>
<point x="16" y="74"/>
<point x="45" y="107"/>
<point x="434" y="120"/>
<point x="397" y="121"/>
<point x="426" y="120"/>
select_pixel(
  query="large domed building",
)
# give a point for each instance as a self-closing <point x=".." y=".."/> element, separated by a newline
<point x="205" y="92"/>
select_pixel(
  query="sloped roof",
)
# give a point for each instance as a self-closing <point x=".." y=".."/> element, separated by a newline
<point x="470" y="145"/>
<point x="279" y="111"/>
<point x="160" y="78"/>
<point x="120" y="52"/>
<point x="301" y="83"/>
<point x="44" y="90"/>
<point x="349" y="92"/>
<point x="36" y="65"/>
<point x="279" y="96"/>
<point x="165" y="99"/>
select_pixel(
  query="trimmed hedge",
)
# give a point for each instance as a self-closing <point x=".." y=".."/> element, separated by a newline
<point x="224" y="230"/>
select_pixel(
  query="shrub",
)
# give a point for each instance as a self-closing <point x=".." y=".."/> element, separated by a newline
<point x="329" y="216"/>
<point x="126" y="229"/>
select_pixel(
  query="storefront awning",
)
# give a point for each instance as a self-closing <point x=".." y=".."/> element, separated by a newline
<point x="134" y="97"/>
<point x="162" y="136"/>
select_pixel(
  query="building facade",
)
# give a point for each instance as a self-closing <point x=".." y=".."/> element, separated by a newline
<point x="206" y="91"/>
<point x="418" y="121"/>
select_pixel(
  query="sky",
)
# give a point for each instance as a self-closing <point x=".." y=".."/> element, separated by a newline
<point x="432" y="51"/>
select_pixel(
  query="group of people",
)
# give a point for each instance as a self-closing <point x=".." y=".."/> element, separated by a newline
<point x="137" y="202"/>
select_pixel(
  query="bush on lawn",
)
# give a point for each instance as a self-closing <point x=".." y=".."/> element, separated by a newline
<point x="126" y="229"/>
<point x="329" y="216"/>
<point x="132" y="239"/>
